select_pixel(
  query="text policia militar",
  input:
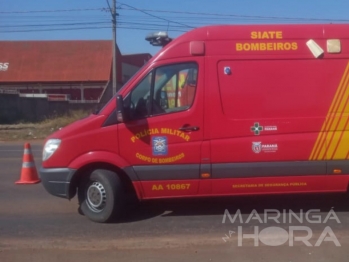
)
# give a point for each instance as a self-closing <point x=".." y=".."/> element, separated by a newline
<point x="162" y="131"/>
<point x="267" y="46"/>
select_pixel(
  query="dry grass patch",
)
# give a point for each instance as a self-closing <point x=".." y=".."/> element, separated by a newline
<point x="39" y="130"/>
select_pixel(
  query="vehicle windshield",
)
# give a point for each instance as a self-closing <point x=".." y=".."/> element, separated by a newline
<point x="96" y="112"/>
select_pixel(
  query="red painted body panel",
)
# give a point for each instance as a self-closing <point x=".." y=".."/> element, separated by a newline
<point x="262" y="185"/>
<point x="100" y="157"/>
<point x="290" y="147"/>
<point x="261" y="96"/>
<point x="247" y="186"/>
<point x="81" y="138"/>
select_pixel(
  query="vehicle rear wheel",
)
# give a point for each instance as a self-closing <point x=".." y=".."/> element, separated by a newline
<point x="101" y="196"/>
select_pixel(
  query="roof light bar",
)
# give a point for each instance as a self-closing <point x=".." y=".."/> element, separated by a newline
<point x="158" y="39"/>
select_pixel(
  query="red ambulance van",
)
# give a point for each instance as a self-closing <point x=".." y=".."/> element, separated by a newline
<point x="221" y="110"/>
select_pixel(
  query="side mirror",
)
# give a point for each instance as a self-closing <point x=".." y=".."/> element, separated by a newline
<point x="120" y="109"/>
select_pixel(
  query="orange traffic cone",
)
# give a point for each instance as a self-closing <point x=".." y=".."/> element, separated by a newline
<point x="29" y="175"/>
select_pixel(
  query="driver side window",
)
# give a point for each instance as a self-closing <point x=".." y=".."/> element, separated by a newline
<point x="164" y="90"/>
<point x="138" y="101"/>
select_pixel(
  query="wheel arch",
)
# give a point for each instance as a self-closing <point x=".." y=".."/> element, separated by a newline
<point x="84" y="170"/>
<point x="88" y="162"/>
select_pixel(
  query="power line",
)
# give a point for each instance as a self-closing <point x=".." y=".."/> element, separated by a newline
<point x="86" y="23"/>
<point x="144" y="22"/>
<point x="84" y="28"/>
<point x="123" y="6"/>
<point x="52" y="11"/>
<point x="30" y="21"/>
<point x="235" y="15"/>
<point x="145" y="12"/>
<point x="111" y="12"/>
<point x="54" y="29"/>
<point x="62" y="24"/>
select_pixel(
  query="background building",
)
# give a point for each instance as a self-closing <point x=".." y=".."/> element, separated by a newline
<point x="39" y="79"/>
<point x="79" y="71"/>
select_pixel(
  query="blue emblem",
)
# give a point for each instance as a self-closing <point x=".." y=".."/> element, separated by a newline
<point x="159" y="144"/>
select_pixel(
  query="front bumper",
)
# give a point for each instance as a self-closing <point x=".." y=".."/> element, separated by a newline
<point x="57" y="180"/>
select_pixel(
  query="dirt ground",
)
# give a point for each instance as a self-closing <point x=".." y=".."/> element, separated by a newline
<point x="25" y="131"/>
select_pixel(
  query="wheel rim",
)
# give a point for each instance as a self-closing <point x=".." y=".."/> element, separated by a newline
<point x="96" y="197"/>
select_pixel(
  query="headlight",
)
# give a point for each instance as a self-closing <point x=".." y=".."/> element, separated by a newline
<point x="50" y="147"/>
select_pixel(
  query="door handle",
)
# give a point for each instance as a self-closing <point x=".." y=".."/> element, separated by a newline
<point x="189" y="128"/>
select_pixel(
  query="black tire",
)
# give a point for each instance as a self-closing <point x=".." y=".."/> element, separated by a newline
<point x="101" y="196"/>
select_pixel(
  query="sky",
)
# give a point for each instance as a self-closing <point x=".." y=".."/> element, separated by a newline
<point x="91" y="19"/>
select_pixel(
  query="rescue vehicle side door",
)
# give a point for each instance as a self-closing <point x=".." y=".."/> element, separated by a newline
<point x="163" y="133"/>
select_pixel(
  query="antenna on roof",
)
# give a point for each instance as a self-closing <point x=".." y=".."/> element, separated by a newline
<point x="158" y="39"/>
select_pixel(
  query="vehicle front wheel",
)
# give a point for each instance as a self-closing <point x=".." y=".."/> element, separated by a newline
<point x="101" y="196"/>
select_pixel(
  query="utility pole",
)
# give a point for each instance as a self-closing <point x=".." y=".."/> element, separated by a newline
<point x="114" y="48"/>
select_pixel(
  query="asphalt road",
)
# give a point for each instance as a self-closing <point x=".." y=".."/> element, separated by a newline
<point x="35" y="226"/>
